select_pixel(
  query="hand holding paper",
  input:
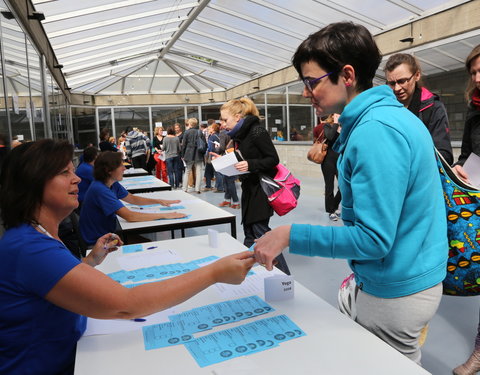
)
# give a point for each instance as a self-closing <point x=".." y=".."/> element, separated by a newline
<point x="271" y="244"/>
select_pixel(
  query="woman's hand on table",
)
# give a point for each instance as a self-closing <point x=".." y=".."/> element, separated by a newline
<point x="232" y="269"/>
<point x="167" y="202"/>
<point x="270" y="245"/>
<point x="172" y="215"/>
<point x="104" y="245"/>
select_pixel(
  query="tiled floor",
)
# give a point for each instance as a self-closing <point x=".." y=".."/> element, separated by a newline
<point x="452" y="330"/>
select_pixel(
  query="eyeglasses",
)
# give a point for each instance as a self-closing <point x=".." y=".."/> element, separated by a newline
<point x="400" y="81"/>
<point x="311" y="83"/>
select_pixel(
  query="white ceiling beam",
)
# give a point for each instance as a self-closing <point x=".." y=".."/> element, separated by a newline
<point x="290" y="13"/>
<point x="103" y="47"/>
<point x="171" y="66"/>
<point x="431" y="63"/>
<point x="153" y="76"/>
<point x="89" y="11"/>
<point x="454" y="57"/>
<point x="351" y="14"/>
<point x="121" y="31"/>
<point x="270" y="26"/>
<point x="244" y="33"/>
<point x="184" y="26"/>
<point x="407" y="6"/>
<point x="200" y="74"/>
<point x="136" y="16"/>
<point x="256" y="51"/>
<point x="228" y="71"/>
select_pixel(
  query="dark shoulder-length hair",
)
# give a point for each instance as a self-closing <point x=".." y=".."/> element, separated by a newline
<point x="25" y="172"/>
<point x="105" y="163"/>
<point x="337" y="45"/>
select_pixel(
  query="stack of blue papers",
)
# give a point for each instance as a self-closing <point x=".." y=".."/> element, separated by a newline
<point x="181" y="326"/>
<point x="243" y="340"/>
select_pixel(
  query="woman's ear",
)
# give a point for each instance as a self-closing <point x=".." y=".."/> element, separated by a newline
<point x="348" y="75"/>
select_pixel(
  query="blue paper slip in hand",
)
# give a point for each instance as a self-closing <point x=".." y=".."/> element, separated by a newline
<point x="128" y="249"/>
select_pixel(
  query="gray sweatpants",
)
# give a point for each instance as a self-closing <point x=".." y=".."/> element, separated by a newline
<point x="398" y="321"/>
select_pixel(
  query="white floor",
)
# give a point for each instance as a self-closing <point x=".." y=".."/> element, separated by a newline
<point x="452" y="330"/>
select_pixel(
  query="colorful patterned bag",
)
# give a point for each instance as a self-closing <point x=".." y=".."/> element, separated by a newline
<point x="462" y="203"/>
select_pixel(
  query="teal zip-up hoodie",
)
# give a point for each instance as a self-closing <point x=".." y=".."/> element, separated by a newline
<point x="395" y="233"/>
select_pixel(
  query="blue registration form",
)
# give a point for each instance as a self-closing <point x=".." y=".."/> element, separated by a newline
<point x="243" y="340"/>
<point x="182" y="326"/>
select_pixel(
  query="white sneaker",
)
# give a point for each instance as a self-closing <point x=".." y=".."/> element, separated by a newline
<point x="333" y="217"/>
<point x="338" y="213"/>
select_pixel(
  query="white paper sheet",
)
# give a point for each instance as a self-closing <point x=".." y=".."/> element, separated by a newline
<point x="225" y="165"/>
<point x="110" y="326"/>
<point x="472" y="167"/>
<point x="147" y="259"/>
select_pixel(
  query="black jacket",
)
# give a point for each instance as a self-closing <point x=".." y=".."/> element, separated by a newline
<point x="432" y="112"/>
<point x="471" y="135"/>
<point x="253" y="144"/>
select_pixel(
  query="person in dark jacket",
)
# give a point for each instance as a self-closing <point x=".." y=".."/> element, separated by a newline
<point x="471" y="143"/>
<point x="403" y="75"/>
<point x="105" y="144"/>
<point x="329" y="131"/>
<point x="191" y="155"/>
<point x="256" y="154"/>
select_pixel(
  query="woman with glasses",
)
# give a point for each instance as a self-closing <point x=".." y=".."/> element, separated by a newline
<point x="395" y="235"/>
<point x="403" y="76"/>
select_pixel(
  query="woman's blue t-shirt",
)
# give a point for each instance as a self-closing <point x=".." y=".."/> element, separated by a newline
<point x="36" y="336"/>
<point x="97" y="216"/>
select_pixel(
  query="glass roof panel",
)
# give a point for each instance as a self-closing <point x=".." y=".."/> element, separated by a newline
<point x="222" y="42"/>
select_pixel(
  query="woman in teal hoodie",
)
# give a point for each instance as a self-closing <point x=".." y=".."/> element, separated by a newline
<point x="395" y="235"/>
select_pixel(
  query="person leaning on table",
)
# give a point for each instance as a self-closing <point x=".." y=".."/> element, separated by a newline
<point x="102" y="201"/>
<point x="45" y="292"/>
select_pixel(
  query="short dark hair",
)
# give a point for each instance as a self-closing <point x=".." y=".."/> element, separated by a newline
<point x="89" y="154"/>
<point x="337" y="45"/>
<point x="26" y="170"/>
<point x="106" y="162"/>
<point x="171" y="130"/>
<point x="128" y="129"/>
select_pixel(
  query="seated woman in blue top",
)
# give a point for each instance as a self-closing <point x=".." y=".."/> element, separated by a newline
<point x="45" y="292"/>
<point x="103" y="200"/>
<point x="85" y="171"/>
<point x="395" y="235"/>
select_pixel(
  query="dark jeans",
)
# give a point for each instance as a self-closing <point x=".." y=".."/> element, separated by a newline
<point x="257" y="230"/>
<point x="174" y="171"/>
<point x="329" y="170"/>
<point x="140" y="161"/>
<point x="230" y="188"/>
<point x="209" y="173"/>
<point x="218" y="181"/>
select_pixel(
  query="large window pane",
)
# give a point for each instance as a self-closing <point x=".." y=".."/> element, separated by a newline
<point x="134" y="117"/>
<point x="300" y="114"/>
<point x="105" y="121"/>
<point x="168" y="116"/>
<point x="36" y="92"/>
<point x="210" y="112"/>
<point x="84" y="130"/>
